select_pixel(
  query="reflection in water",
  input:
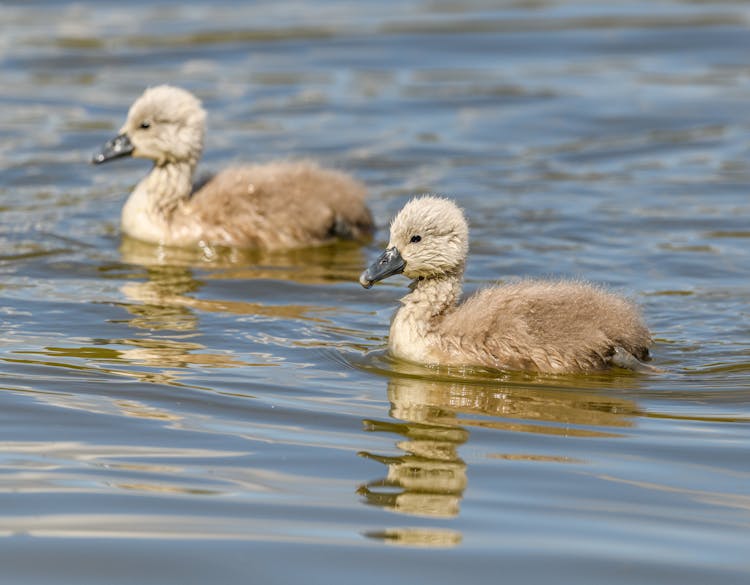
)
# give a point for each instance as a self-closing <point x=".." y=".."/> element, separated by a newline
<point x="342" y="261"/>
<point x="175" y="354"/>
<point x="165" y="303"/>
<point x="166" y="313"/>
<point x="152" y="353"/>
<point x="160" y="304"/>
<point x="420" y="537"/>
<point x="429" y="479"/>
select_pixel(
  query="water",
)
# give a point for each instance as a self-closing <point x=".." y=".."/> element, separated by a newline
<point x="172" y="417"/>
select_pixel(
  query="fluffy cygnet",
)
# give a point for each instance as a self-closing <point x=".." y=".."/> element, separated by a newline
<point x="271" y="206"/>
<point x="532" y="325"/>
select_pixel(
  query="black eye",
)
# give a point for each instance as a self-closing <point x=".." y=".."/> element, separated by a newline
<point x="415" y="239"/>
<point x="146" y="125"/>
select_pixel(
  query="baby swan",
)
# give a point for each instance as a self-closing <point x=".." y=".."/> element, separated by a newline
<point x="539" y="326"/>
<point x="272" y="206"/>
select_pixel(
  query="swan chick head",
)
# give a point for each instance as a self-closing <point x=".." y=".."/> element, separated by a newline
<point x="429" y="238"/>
<point x="166" y="124"/>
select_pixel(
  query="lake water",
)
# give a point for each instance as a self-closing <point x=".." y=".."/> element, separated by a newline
<point x="179" y="418"/>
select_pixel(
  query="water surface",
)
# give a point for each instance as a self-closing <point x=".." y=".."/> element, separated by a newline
<point x="184" y="417"/>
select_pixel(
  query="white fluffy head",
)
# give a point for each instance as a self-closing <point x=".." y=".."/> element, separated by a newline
<point x="166" y="124"/>
<point x="432" y="236"/>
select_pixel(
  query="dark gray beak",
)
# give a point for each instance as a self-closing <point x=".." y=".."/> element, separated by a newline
<point x="115" y="148"/>
<point x="389" y="263"/>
